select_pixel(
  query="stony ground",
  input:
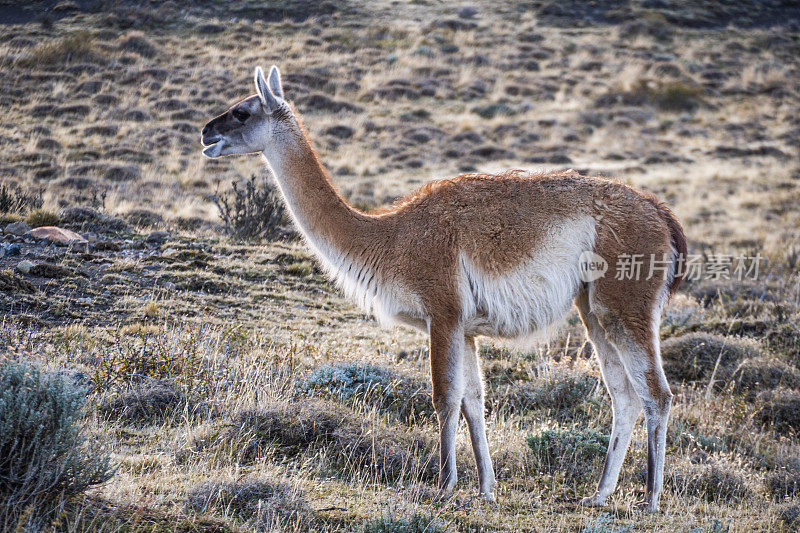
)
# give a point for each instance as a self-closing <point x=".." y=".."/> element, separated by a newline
<point x="237" y="390"/>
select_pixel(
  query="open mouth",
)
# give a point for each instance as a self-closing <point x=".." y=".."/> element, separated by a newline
<point x="210" y="141"/>
<point x="213" y="146"/>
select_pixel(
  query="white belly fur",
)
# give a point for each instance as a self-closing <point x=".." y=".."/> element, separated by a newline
<point x="533" y="295"/>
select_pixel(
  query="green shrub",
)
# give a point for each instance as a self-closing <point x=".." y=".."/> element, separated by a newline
<point x="376" y="386"/>
<point x="44" y="455"/>
<point x="574" y="452"/>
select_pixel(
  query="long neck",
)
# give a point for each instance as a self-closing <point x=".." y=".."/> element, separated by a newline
<point x="337" y="232"/>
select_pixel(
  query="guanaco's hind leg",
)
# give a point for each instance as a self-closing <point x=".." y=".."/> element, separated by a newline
<point x="472" y="406"/>
<point x="624" y="404"/>
<point x="635" y="338"/>
<point x="447" y="376"/>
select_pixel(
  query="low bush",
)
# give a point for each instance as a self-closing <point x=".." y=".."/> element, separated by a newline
<point x="266" y="505"/>
<point x="783" y="482"/>
<point x="560" y="393"/>
<point x="351" y="445"/>
<point x="575" y="452"/>
<point x="45" y="456"/>
<point x="149" y="402"/>
<point x="138" y="43"/>
<point x="788" y="514"/>
<point x="78" y="47"/>
<point x="676" y="96"/>
<point x="10" y="281"/>
<point x="765" y="373"/>
<point x="376" y="386"/>
<point x="251" y="211"/>
<point x="692" y="357"/>
<point x="711" y="482"/>
<point x="780" y="408"/>
<point x="415" y="523"/>
<point x="139" y="355"/>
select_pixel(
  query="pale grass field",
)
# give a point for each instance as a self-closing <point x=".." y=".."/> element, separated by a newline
<point x="275" y="320"/>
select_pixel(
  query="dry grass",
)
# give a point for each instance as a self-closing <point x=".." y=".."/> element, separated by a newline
<point x="239" y="391"/>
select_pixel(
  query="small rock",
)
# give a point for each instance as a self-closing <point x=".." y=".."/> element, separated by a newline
<point x="57" y="235"/>
<point x="18" y="228"/>
<point x="23" y="267"/>
<point x="83" y="301"/>
<point x="9" y="249"/>
<point x="158" y="236"/>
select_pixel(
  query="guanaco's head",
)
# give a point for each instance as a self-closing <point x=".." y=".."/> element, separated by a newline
<point x="258" y="123"/>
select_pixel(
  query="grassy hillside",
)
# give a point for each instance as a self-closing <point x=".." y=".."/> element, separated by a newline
<point x="236" y="390"/>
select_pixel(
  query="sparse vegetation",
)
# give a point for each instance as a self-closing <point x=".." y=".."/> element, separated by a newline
<point x="15" y="201"/>
<point x="45" y="455"/>
<point x="74" y="48"/>
<point x="251" y="210"/>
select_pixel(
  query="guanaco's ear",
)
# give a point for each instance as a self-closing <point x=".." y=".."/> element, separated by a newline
<point x="268" y="100"/>
<point x="261" y="87"/>
<point x="275" y="82"/>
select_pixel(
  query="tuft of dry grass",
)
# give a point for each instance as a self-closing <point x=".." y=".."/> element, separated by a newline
<point x="42" y="217"/>
<point x="696" y="356"/>
<point x="77" y="47"/>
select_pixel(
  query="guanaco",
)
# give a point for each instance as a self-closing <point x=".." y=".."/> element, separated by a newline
<point x="494" y="255"/>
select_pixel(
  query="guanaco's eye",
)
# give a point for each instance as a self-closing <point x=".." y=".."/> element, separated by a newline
<point x="241" y="115"/>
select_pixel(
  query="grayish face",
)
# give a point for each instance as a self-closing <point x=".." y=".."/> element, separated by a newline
<point x="254" y="124"/>
<point x="239" y="130"/>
